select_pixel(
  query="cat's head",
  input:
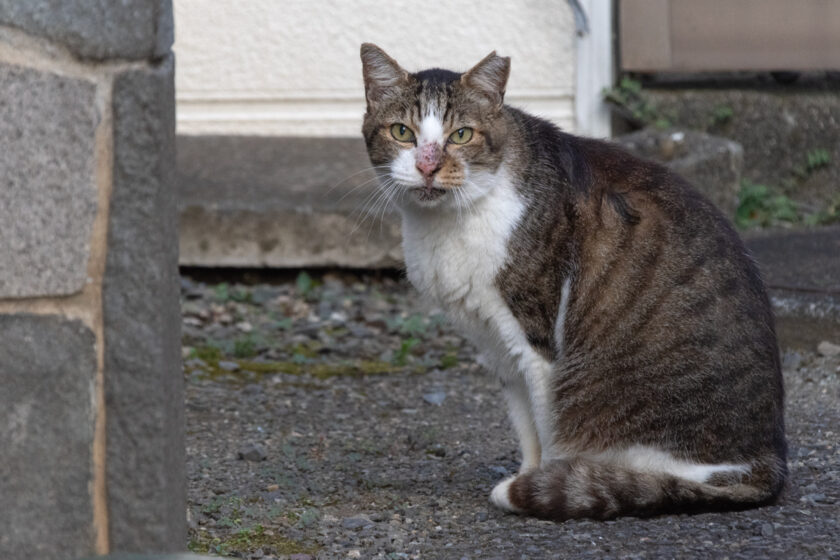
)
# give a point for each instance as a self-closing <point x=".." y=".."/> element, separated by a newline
<point x="436" y="137"/>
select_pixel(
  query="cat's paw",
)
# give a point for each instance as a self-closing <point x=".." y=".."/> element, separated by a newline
<point x="500" y="496"/>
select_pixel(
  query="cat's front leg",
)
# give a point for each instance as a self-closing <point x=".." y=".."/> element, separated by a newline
<point x="522" y="418"/>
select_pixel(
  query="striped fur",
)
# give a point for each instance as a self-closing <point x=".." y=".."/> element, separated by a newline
<point x="632" y="334"/>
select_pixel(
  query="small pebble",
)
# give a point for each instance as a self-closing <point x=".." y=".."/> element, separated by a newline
<point x="437" y="449"/>
<point x="436" y="398"/>
<point x="498" y="469"/>
<point x="252" y="452"/>
<point x="767" y="530"/>
<point x="228" y="366"/>
<point x="828" y="349"/>
<point x="818" y="498"/>
<point x="356" y="522"/>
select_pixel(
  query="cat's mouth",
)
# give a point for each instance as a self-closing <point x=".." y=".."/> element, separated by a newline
<point x="427" y="194"/>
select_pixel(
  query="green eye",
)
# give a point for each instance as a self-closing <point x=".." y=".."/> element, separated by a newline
<point x="461" y="136"/>
<point x="402" y="133"/>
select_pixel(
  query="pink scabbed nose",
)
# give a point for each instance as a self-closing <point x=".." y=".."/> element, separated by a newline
<point x="429" y="158"/>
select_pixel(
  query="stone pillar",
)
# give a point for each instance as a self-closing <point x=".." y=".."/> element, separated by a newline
<point x="91" y="395"/>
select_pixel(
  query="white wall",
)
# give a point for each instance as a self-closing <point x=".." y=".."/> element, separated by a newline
<point x="291" y="68"/>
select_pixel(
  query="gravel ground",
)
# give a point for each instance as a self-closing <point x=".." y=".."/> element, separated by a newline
<point x="335" y="417"/>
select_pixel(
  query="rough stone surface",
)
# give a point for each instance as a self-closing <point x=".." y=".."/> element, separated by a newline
<point x="144" y="389"/>
<point x="281" y="202"/>
<point x="47" y="184"/>
<point x="802" y="272"/>
<point x="47" y="373"/>
<point x="711" y="164"/>
<point x="777" y="126"/>
<point x="97" y="29"/>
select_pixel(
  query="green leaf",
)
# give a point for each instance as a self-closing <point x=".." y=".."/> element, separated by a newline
<point x="221" y="292"/>
<point x="401" y="356"/>
<point x="304" y="283"/>
<point x="414" y="325"/>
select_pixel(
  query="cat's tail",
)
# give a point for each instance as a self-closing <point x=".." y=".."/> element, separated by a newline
<point x="567" y="489"/>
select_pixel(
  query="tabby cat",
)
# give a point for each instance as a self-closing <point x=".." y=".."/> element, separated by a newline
<point x="630" y="330"/>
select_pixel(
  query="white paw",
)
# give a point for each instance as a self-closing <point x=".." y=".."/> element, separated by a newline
<point x="500" y="496"/>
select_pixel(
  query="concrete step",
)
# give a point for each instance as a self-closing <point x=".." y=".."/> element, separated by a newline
<point x="281" y="202"/>
<point x="802" y="272"/>
<point x="312" y="202"/>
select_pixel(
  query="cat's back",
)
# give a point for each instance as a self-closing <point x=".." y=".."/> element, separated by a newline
<point x="667" y="301"/>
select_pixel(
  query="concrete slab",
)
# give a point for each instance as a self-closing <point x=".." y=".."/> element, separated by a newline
<point x="281" y="202"/>
<point x="802" y="272"/>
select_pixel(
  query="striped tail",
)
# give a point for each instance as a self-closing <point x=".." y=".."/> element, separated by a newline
<point x="576" y="488"/>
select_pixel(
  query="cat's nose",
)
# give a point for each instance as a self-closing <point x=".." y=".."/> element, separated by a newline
<point x="429" y="159"/>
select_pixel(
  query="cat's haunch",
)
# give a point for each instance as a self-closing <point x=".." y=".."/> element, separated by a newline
<point x="630" y="329"/>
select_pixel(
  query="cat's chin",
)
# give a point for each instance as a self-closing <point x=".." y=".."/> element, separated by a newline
<point x="428" y="196"/>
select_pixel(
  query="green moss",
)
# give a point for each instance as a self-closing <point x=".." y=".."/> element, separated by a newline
<point x="448" y="360"/>
<point x="248" y="541"/>
<point x="245" y="347"/>
<point x="251" y="371"/>
<point x="208" y="352"/>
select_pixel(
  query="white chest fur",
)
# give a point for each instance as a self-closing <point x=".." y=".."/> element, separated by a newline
<point x="453" y="260"/>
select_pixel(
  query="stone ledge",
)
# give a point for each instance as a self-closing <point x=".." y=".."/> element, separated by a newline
<point x="802" y="272"/>
<point x="96" y="29"/>
<point x="298" y="202"/>
<point x="280" y="202"/>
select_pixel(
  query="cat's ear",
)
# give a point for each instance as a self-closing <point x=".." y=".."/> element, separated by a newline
<point x="382" y="74"/>
<point x="489" y="77"/>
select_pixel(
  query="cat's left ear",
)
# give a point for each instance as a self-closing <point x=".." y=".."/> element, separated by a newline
<point x="489" y="77"/>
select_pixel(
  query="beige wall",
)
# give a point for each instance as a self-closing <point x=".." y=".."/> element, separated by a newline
<point x="292" y="68"/>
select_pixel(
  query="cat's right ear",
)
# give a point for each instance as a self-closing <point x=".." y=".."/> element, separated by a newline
<point x="382" y="74"/>
<point x="489" y="78"/>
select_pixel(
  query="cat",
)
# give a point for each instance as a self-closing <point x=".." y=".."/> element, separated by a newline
<point x="630" y="330"/>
